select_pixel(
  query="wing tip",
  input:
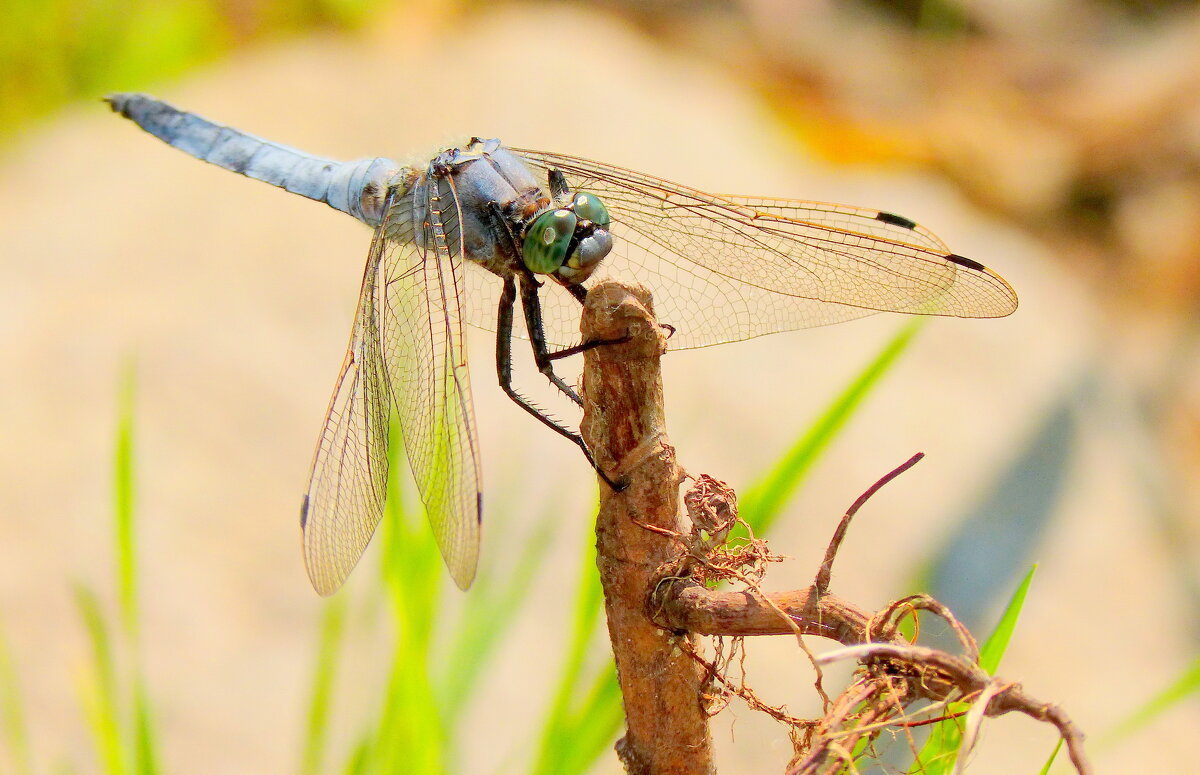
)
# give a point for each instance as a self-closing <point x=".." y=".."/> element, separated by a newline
<point x="324" y="583"/>
<point x="463" y="570"/>
<point x="325" y="580"/>
<point x="1006" y="298"/>
<point x="324" y="576"/>
<point x="463" y="580"/>
<point x="325" y="591"/>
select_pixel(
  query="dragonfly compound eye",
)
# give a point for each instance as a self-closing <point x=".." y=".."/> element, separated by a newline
<point x="589" y="208"/>
<point x="547" y="240"/>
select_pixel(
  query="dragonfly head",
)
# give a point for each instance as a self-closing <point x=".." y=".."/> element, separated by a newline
<point x="568" y="242"/>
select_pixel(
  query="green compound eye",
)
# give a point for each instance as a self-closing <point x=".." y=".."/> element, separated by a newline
<point x="546" y="242"/>
<point x="589" y="208"/>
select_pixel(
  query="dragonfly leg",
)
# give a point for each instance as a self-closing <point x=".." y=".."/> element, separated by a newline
<point x="580" y="293"/>
<point x="558" y="183"/>
<point x="532" y="306"/>
<point x="500" y="225"/>
<point x="504" y="332"/>
<point x="582" y="348"/>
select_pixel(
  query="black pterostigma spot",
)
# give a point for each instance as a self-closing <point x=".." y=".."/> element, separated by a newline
<point x="967" y="262"/>
<point x="896" y="220"/>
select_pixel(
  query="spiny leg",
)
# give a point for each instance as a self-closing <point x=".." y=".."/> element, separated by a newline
<point x="501" y="225"/>
<point x="566" y="352"/>
<point x="531" y="305"/>
<point x="504" y="334"/>
<point x="580" y="293"/>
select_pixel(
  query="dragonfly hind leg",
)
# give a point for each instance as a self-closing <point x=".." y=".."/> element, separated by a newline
<point x="504" y="332"/>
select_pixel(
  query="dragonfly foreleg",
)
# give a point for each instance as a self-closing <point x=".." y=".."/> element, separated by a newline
<point x="531" y="305"/>
<point x="500" y="225"/>
<point x="559" y="188"/>
<point x="582" y="348"/>
<point x="504" y="333"/>
<point x="578" y="291"/>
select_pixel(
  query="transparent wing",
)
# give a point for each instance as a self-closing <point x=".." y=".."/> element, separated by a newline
<point x="426" y="363"/>
<point x="847" y="218"/>
<point x="406" y="350"/>
<point x="725" y="268"/>
<point x="348" y="482"/>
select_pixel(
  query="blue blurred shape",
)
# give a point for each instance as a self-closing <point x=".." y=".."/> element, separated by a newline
<point x="995" y="541"/>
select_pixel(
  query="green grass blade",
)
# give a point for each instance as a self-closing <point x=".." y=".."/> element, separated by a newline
<point x="558" y="741"/>
<point x="316" y="727"/>
<point x="12" y="712"/>
<point x="99" y="689"/>
<point x="940" y="751"/>
<point x="123" y="504"/>
<point x="1183" y="687"/>
<point x="142" y="752"/>
<point x="763" y="502"/>
<point x="144" y="744"/>
<point x="596" y="722"/>
<point x="410" y="735"/>
<point x="1053" y="755"/>
<point x="488" y="617"/>
<point x="997" y="642"/>
<point x="359" y="760"/>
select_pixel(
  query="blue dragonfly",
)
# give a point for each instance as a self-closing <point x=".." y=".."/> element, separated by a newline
<point x="482" y="227"/>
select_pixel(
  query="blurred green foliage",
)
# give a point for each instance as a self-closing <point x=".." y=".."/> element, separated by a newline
<point x="763" y="502"/>
<point x="438" y="662"/>
<point x="1185" y="686"/>
<point x="112" y="685"/>
<point x="13" y="730"/>
<point x="57" y="51"/>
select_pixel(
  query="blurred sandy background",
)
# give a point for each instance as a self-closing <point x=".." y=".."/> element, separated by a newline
<point x="1034" y="144"/>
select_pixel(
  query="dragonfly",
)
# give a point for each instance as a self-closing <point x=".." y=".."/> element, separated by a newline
<point x="482" y="228"/>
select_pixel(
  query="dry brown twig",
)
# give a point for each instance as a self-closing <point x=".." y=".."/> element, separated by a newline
<point x="656" y="572"/>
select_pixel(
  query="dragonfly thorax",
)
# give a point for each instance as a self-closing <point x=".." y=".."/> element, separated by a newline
<point x="510" y="220"/>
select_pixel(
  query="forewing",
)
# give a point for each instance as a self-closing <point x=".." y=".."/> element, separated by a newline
<point x="847" y="218"/>
<point x="348" y="483"/>
<point x="726" y="268"/>
<point x="425" y="357"/>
